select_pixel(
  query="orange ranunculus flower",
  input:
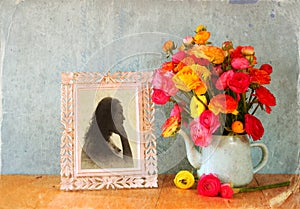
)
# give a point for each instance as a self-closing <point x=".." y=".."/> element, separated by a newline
<point x="223" y="103"/>
<point x="259" y="76"/>
<point x="201" y="37"/>
<point x="167" y="66"/>
<point x="178" y="67"/>
<point x="247" y="50"/>
<point x="171" y="126"/>
<point x="237" y="127"/>
<point x="168" y="46"/>
<point x="184" y="62"/>
<point x="214" y="54"/>
<point x="201" y="89"/>
<point x="186" y="79"/>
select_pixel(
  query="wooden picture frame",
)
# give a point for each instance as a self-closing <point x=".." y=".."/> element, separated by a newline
<point x="93" y="99"/>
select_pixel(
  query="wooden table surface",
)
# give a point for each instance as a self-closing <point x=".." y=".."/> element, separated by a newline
<point x="28" y="191"/>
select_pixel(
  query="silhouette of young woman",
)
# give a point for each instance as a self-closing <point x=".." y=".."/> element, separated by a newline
<point x="98" y="150"/>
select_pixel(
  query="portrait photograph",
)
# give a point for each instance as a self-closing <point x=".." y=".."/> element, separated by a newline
<point x="107" y="140"/>
<point x="108" y="128"/>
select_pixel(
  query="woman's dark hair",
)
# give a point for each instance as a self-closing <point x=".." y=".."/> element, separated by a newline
<point x="106" y="121"/>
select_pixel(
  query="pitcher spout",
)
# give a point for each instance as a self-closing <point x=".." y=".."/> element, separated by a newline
<point x="193" y="155"/>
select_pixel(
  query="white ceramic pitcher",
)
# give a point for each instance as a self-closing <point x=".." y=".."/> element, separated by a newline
<point x="228" y="157"/>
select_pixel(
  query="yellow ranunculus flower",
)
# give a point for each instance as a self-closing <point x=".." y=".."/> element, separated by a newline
<point x="184" y="179"/>
<point x="171" y="126"/>
<point x="196" y="106"/>
<point x="201" y="37"/>
<point x="201" y="71"/>
<point x="186" y="80"/>
<point x="200" y="28"/>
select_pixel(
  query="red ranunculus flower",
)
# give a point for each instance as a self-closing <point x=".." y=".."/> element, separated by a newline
<point x="226" y="191"/>
<point x="253" y="127"/>
<point x="266" y="67"/>
<point x="265" y="97"/>
<point x="239" y="82"/>
<point x="237" y="52"/>
<point x="160" y="97"/>
<point x="209" y="185"/>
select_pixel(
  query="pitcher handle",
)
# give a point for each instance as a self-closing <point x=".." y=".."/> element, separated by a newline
<point x="265" y="156"/>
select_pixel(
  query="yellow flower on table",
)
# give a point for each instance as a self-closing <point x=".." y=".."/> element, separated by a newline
<point x="184" y="179"/>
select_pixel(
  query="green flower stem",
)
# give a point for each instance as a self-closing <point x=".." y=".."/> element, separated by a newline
<point x="258" y="188"/>
<point x="244" y="103"/>
<point x="205" y="105"/>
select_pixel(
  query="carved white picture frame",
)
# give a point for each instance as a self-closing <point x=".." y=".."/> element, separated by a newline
<point x="80" y="94"/>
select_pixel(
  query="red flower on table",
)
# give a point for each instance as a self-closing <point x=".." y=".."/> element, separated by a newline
<point x="209" y="185"/>
<point x="226" y="191"/>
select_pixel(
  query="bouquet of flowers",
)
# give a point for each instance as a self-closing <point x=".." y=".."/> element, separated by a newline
<point x="212" y="90"/>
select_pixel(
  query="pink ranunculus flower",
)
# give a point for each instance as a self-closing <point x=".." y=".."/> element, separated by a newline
<point x="160" y="97"/>
<point x="163" y="80"/>
<point x="177" y="57"/>
<point x="210" y="121"/>
<point x="209" y="185"/>
<point x="222" y="82"/>
<point x="176" y="111"/>
<point x="239" y="82"/>
<point x="240" y="63"/>
<point x="201" y="136"/>
<point x="226" y="191"/>
<point x="188" y="41"/>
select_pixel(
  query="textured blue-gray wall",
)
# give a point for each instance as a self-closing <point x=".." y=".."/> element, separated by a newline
<point x="41" y="39"/>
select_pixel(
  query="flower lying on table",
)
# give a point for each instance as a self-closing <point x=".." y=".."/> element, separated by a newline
<point x="210" y="185"/>
<point x="216" y="90"/>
